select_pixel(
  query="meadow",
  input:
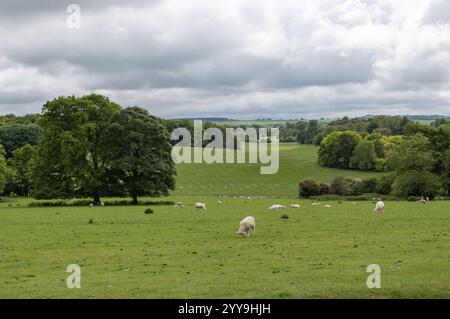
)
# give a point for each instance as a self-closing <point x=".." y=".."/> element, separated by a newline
<point x="297" y="162"/>
<point x="187" y="253"/>
<point x="317" y="252"/>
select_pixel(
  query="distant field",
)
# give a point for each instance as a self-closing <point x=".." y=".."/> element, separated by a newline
<point x="186" y="253"/>
<point x="296" y="163"/>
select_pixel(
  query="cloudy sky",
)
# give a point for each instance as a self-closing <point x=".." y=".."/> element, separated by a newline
<point x="242" y="59"/>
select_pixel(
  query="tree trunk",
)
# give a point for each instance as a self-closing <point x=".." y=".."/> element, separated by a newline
<point x="135" y="199"/>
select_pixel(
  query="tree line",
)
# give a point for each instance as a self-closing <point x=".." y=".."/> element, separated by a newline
<point x="418" y="160"/>
<point x="86" y="146"/>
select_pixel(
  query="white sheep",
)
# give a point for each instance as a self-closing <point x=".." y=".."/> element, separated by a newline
<point x="247" y="226"/>
<point x="200" y="205"/>
<point x="179" y="205"/>
<point x="219" y="202"/>
<point x="295" y="205"/>
<point x="328" y="206"/>
<point x="91" y="205"/>
<point x="277" y="206"/>
<point x="379" y="207"/>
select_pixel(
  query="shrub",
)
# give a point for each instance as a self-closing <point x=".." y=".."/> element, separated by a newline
<point x="369" y="185"/>
<point x="339" y="186"/>
<point x="415" y="183"/>
<point x="284" y="216"/>
<point x="324" y="189"/>
<point x="356" y="185"/>
<point x="308" y="188"/>
<point x="384" y="184"/>
<point x="149" y="211"/>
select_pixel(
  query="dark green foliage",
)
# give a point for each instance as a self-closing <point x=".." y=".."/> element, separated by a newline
<point x="384" y="184"/>
<point x="415" y="183"/>
<point x="149" y="211"/>
<point x="308" y="188"/>
<point x="141" y="153"/>
<point x="369" y="185"/>
<point x="15" y="136"/>
<point x="340" y="186"/>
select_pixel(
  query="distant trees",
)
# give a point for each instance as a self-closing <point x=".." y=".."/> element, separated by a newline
<point x="21" y="164"/>
<point x="364" y="156"/>
<point x="337" y="149"/>
<point x="3" y="169"/>
<point x="14" y="136"/>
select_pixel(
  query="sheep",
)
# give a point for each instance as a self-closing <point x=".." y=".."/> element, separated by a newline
<point x="91" y="205"/>
<point x="379" y="207"/>
<point x="328" y="206"/>
<point x="423" y="200"/>
<point x="315" y="204"/>
<point x="219" y="202"/>
<point x="247" y="226"/>
<point x="102" y="204"/>
<point x="179" y="205"/>
<point x="277" y="206"/>
<point x="295" y="205"/>
<point x="200" y="205"/>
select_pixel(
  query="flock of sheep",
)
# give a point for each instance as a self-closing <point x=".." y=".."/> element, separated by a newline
<point x="247" y="226"/>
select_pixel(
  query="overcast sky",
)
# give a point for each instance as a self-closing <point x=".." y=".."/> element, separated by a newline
<point x="241" y="59"/>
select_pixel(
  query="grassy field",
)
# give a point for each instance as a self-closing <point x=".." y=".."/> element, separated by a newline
<point x="296" y="163"/>
<point x="318" y="252"/>
<point x="186" y="253"/>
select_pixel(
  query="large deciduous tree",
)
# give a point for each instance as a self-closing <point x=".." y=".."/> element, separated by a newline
<point x="74" y="149"/>
<point x="142" y="153"/>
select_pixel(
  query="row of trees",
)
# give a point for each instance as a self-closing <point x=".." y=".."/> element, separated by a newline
<point x="90" y="146"/>
<point x="347" y="186"/>
<point x="419" y="160"/>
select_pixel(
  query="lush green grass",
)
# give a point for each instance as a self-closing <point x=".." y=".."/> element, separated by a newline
<point x="187" y="253"/>
<point x="296" y="163"/>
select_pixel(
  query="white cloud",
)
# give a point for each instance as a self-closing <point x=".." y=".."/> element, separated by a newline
<point x="232" y="58"/>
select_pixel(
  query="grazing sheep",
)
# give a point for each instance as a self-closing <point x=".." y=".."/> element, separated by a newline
<point x="295" y="205"/>
<point x="179" y="205"/>
<point x="379" y="207"/>
<point x="219" y="202"/>
<point x="91" y="205"/>
<point x="277" y="206"/>
<point x="247" y="227"/>
<point x="200" y="205"/>
<point x="315" y="204"/>
<point x="328" y="206"/>
<point x="423" y="200"/>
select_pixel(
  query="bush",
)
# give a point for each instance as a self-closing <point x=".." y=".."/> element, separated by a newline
<point x="308" y="188"/>
<point x="149" y="211"/>
<point x="384" y="184"/>
<point x="324" y="189"/>
<point x="356" y="185"/>
<point x="339" y="186"/>
<point x="415" y="183"/>
<point x="284" y="216"/>
<point x="369" y="185"/>
<point x="86" y="202"/>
